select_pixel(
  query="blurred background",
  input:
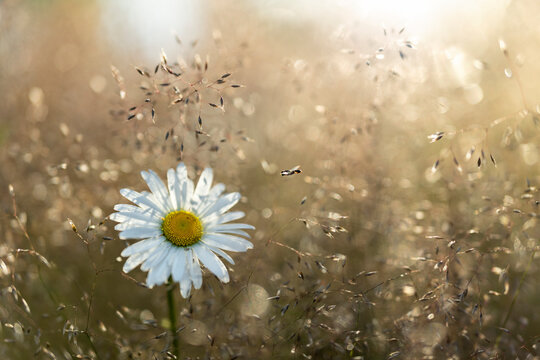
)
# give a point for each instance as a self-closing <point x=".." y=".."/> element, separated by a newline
<point x="410" y="233"/>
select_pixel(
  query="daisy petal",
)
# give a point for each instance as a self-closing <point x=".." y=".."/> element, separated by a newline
<point x="217" y="190"/>
<point x="181" y="171"/>
<point x="216" y="218"/>
<point x="135" y="260"/>
<point x="212" y="262"/>
<point x="221" y="253"/>
<point x="179" y="265"/>
<point x="185" y="286"/>
<point x="227" y="242"/>
<point x="126" y="216"/>
<point x="224" y="227"/>
<point x="234" y="232"/>
<point x="174" y="189"/>
<point x="157" y="187"/>
<point x="159" y="274"/>
<point x="205" y="202"/>
<point x="186" y="187"/>
<point x="127" y="208"/>
<point x="135" y="223"/>
<point x="142" y="246"/>
<point x="158" y="255"/>
<point x="223" y="204"/>
<point x="204" y="184"/>
<point x="141" y="199"/>
<point x="195" y="270"/>
<point x="139" y="233"/>
<point x="233" y="215"/>
<point x="187" y="194"/>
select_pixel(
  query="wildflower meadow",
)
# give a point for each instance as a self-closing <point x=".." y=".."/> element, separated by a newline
<point x="269" y="179"/>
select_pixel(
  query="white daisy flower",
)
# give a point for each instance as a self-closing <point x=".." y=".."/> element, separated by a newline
<point x="181" y="227"/>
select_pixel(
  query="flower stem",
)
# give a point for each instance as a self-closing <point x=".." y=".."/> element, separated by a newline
<point x="172" y="318"/>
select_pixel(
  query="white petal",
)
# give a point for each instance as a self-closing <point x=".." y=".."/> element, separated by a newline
<point x="143" y="200"/>
<point x="195" y="271"/>
<point x="159" y="274"/>
<point x="182" y="176"/>
<point x="136" y="223"/>
<point x="135" y="260"/>
<point x="217" y="190"/>
<point x="186" y="186"/>
<point x="185" y="287"/>
<point x="185" y="283"/>
<point x="221" y="253"/>
<point x="157" y="187"/>
<point x="142" y="246"/>
<point x="230" y="227"/>
<point x="204" y="183"/>
<point x="126" y="216"/>
<point x="157" y="256"/>
<point x="227" y="242"/>
<point x="174" y="189"/>
<point x="204" y="202"/>
<point x="211" y="262"/>
<point x="216" y="218"/>
<point x="181" y="171"/>
<point x="187" y="194"/>
<point x="234" y="232"/>
<point x="223" y="204"/>
<point x="127" y="208"/>
<point x="234" y="215"/>
<point x="179" y="266"/>
<point x="139" y="233"/>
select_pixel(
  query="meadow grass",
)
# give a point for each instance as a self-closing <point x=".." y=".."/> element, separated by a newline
<point x="392" y="179"/>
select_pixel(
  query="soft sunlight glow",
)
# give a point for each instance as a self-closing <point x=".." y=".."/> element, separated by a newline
<point x="142" y="23"/>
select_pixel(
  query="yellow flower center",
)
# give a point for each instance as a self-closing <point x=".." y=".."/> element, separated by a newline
<point x="182" y="228"/>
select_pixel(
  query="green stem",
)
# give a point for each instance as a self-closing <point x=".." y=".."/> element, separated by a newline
<point x="92" y="344"/>
<point x="172" y="318"/>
